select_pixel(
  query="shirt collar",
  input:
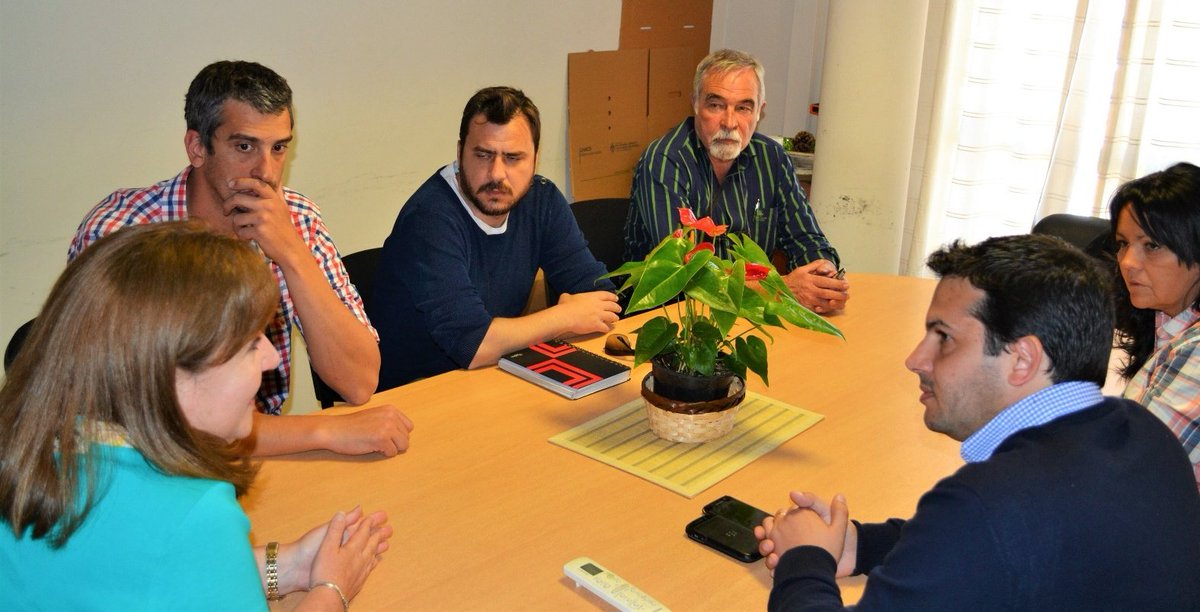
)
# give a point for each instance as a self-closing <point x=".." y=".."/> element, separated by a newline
<point x="450" y="173"/>
<point x="1168" y="328"/>
<point x="1038" y="409"/>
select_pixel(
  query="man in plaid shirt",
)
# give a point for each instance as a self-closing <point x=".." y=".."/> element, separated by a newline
<point x="239" y="125"/>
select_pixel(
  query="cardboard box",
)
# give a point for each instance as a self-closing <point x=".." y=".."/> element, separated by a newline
<point x="654" y="24"/>
<point x="618" y="101"/>
<point x="606" y="125"/>
<point x="669" y="100"/>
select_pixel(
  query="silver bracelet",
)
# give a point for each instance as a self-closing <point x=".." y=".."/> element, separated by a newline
<point x="336" y="589"/>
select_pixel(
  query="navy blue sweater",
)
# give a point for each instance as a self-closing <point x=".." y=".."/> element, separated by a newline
<point x="1096" y="510"/>
<point x="441" y="279"/>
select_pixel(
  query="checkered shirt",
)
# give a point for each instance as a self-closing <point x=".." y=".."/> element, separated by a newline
<point x="167" y="201"/>
<point x="1038" y="409"/>
<point x="1168" y="385"/>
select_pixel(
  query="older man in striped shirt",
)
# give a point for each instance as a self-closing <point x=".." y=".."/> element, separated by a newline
<point x="715" y="164"/>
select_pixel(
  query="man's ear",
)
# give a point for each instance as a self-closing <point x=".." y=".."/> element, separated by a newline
<point x="762" y="110"/>
<point x="1028" y="360"/>
<point x="194" y="145"/>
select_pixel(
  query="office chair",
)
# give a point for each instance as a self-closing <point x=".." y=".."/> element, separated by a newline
<point x="15" y="343"/>
<point x="1092" y="235"/>
<point x="361" y="268"/>
<point x="603" y="224"/>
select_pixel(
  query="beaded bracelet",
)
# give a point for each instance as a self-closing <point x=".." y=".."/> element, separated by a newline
<point x="336" y="589"/>
<point x="272" y="571"/>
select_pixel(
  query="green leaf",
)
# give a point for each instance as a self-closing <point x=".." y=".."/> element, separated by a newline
<point x="735" y="365"/>
<point x="776" y="287"/>
<point x="724" y="321"/>
<point x="801" y="317"/>
<point x="745" y="248"/>
<point x="737" y="284"/>
<point x="628" y="267"/>
<point x="664" y="276"/>
<point x="752" y="351"/>
<point x="704" y="331"/>
<point x="711" y="288"/>
<point x="753" y="307"/>
<point x="700" y="354"/>
<point x="653" y="337"/>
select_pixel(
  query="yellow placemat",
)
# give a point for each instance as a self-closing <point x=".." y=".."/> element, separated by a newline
<point x="622" y="438"/>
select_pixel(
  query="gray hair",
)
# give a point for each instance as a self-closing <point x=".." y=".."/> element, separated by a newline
<point x="725" y="61"/>
<point x="249" y="82"/>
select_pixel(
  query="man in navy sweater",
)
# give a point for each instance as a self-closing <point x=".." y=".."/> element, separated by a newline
<point x="457" y="270"/>
<point x="1068" y="500"/>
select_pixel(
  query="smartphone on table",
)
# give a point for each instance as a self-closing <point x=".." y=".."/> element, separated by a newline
<point x="727" y="526"/>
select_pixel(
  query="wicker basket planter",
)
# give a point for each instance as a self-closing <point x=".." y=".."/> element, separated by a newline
<point x="683" y="421"/>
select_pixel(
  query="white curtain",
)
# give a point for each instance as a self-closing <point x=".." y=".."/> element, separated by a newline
<point x="1033" y="107"/>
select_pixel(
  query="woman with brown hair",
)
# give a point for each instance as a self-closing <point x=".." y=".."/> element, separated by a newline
<point x="119" y="424"/>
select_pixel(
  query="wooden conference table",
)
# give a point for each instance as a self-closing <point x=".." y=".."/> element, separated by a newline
<point x="486" y="510"/>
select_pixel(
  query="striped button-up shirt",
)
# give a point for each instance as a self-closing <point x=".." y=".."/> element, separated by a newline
<point x="759" y="197"/>
<point x="1169" y="383"/>
<point x="167" y="201"/>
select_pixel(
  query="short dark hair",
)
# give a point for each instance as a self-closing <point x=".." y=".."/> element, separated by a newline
<point x="1038" y="285"/>
<point x="1166" y="205"/>
<point x="499" y="105"/>
<point x="249" y="82"/>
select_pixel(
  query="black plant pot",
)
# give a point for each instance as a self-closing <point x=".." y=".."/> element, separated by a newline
<point x="688" y="387"/>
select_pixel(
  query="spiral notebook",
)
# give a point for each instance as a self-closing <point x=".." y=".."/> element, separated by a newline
<point x="564" y="368"/>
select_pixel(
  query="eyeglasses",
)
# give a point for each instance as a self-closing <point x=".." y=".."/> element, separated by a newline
<point x="618" y="345"/>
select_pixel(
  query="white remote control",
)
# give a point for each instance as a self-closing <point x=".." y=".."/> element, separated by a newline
<point x="611" y="587"/>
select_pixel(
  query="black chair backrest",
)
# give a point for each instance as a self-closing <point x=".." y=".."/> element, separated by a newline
<point x="360" y="266"/>
<point x="15" y="343"/>
<point x="1091" y="234"/>
<point x="603" y="224"/>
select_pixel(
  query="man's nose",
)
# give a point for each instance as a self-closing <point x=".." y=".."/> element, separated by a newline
<point x="729" y="118"/>
<point x="266" y="168"/>
<point x="496" y="170"/>
<point x="916" y="361"/>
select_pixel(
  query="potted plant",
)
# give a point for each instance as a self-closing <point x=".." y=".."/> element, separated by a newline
<point x="700" y="354"/>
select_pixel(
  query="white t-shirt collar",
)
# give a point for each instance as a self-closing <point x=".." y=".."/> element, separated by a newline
<point x="450" y="173"/>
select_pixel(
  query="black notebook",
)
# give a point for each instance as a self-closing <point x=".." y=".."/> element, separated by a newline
<point x="564" y="368"/>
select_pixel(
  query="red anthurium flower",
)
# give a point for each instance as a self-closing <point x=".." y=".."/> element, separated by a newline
<point x="707" y="226"/>
<point x="703" y="246"/>
<point x="687" y="217"/>
<point x="756" y="272"/>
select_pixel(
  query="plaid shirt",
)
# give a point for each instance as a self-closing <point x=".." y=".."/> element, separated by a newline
<point x="1169" y="384"/>
<point x="167" y="201"/>
<point x="759" y="197"/>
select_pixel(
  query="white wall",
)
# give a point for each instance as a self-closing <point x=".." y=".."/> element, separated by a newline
<point x="788" y="37"/>
<point x="91" y="99"/>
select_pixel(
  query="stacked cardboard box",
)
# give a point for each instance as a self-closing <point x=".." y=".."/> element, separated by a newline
<point x="618" y="101"/>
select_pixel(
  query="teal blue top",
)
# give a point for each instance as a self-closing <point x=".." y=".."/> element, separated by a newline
<point x="151" y="542"/>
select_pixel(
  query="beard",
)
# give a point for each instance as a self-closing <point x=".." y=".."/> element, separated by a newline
<point x="725" y="145"/>
<point x="494" y="208"/>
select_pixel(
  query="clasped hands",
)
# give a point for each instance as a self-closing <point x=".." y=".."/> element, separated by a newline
<point x="817" y="286"/>
<point x="343" y="551"/>
<point x="810" y="521"/>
